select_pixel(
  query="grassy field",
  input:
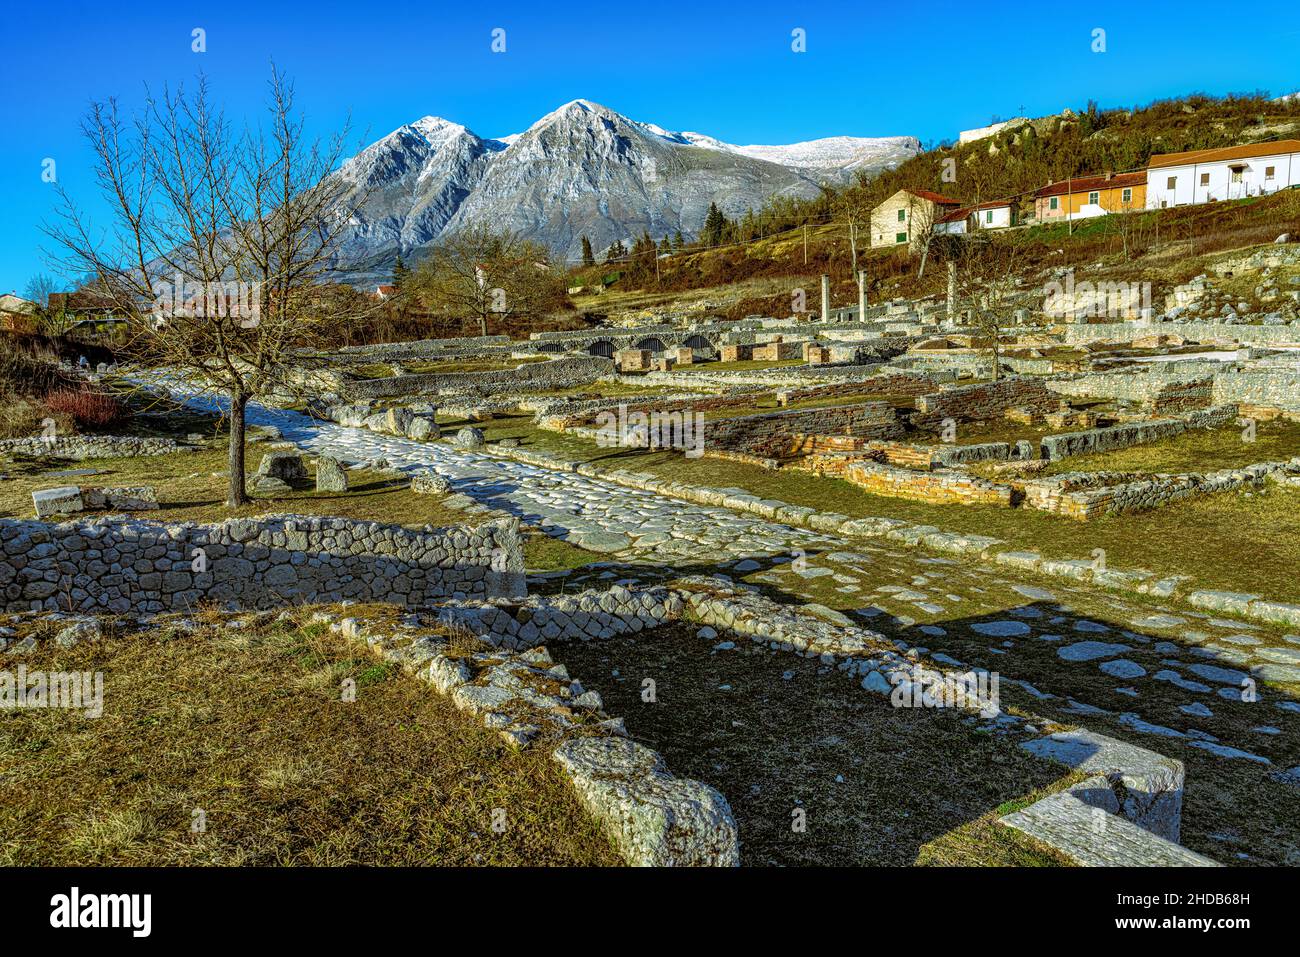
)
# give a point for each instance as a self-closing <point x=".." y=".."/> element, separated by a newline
<point x="246" y="731"/>
<point x="1196" y="451"/>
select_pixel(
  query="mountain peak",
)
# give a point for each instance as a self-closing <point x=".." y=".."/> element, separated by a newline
<point x="617" y="178"/>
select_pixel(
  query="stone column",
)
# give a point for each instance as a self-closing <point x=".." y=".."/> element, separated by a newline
<point x="826" y="298"/>
<point x="862" y="295"/>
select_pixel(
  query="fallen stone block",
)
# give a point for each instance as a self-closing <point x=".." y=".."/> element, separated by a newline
<point x="430" y="485"/>
<point x="330" y="476"/>
<point x="1082" y="822"/>
<point x="655" y="819"/>
<point x="64" y="500"/>
<point x="129" y="498"/>
<point x="285" y="465"/>
<point x="1151" y="783"/>
<point x="469" y="438"/>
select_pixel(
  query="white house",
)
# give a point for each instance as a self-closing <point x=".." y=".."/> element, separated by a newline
<point x="1236" y="172"/>
<point x="998" y="214"/>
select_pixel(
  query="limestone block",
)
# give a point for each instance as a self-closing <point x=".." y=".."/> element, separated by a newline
<point x="656" y="820"/>
<point x="330" y="476"/>
<point x="63" y="500"/>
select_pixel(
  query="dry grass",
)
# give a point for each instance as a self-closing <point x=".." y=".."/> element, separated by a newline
<point x="919" y="787"/>
<point x="249" y="727"/>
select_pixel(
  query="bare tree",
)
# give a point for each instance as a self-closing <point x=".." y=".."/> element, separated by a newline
<point x="39" y="289"/>
<point x="987" y="287"/>
<point x="921" y="218"/>
<point x="856" y="204"/>
<point x="216" y="243"/>
<point x="479" y="273"/>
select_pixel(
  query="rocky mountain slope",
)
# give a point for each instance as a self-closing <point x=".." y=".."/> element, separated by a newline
<point x="580" y="170"/>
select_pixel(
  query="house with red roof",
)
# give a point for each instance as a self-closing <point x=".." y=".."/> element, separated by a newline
<point x="908" y="217"/>
<point x="995" y="214"/>
<point x="1082" y="197"/>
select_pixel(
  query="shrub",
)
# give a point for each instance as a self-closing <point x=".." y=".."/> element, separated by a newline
<point x="23" y="371"/>
<point x="92" y="410"/>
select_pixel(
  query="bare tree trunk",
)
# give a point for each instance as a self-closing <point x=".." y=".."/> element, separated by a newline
<point x="237" y="494"/>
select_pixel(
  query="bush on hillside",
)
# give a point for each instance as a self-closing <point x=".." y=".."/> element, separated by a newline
<point x="89" y="410"/>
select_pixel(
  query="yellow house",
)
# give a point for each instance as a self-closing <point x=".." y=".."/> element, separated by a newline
<point x="1085" y="196"/>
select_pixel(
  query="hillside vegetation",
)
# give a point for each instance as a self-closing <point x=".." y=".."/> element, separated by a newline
<point x="762" y="258"/>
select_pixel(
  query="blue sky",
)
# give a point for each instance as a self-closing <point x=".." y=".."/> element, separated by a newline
<point x="870" y="69"/>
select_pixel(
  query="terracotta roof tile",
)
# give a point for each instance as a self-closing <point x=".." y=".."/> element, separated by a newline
<point x="1275" y="148"/>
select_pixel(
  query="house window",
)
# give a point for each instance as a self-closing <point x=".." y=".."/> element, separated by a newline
<point x="1171" y="182"/>
<point x="988" y="216"/>
<point x="1053" y="203"/>
<point x="902" y="215"/>
<point x="900" y="237"/>
<point x="1269" y="172"/>
<point x="1236" y="175"/>
<point x="1205" y="179"/>
<point x="1126" y="196"/>
<point x="1094" y="198"/>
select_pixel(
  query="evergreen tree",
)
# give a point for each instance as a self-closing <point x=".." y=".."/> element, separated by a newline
<point x="588" y="257"/>
<point x="678" y="242"/>
<point x="715" y="225"/>
<point x="400" y="272"/>
<point x="616" y="251"/>
<point x="665" y="247"/>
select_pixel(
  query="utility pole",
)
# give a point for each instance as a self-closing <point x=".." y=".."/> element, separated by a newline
<point x="805" y="244"/>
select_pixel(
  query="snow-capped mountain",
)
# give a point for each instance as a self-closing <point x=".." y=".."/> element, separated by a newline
<point x="580" y="170"/>
<point x="834" y="154"/>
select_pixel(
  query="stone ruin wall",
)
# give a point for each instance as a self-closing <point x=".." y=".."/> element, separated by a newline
<point x="555" y="374"/>
<point x="769" y="436"/>
<point x="91" y="446"/>
<point x="984" y="400"/>
<point x="1055" y="447"/>
<point x="1085" y="496"/>
<point x="1076" y="334"/>
<point x="125" y="565"/>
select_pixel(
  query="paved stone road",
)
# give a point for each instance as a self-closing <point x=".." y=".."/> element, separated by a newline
<point x="600" y="516"/>
<point x="911" y="595"/>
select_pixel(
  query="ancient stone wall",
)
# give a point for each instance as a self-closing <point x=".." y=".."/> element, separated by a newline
<point x="766" y="434"/>
<point x="984" y="400"/>
<point x="556" y="374"/>
<point x="1196" y="331"/>
<point x="937" y="488"/>
<point x="123" y="566"/>
<point x="91" y="446"/>
<point x="1088" y="495"/>
<point x="1054" y="447"/>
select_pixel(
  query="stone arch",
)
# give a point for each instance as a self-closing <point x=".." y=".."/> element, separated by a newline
<point x="601" y="347"/>
<point x="698" y="343"/>
<point x="652" y="343"/>
<point x="551" y="347"/>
